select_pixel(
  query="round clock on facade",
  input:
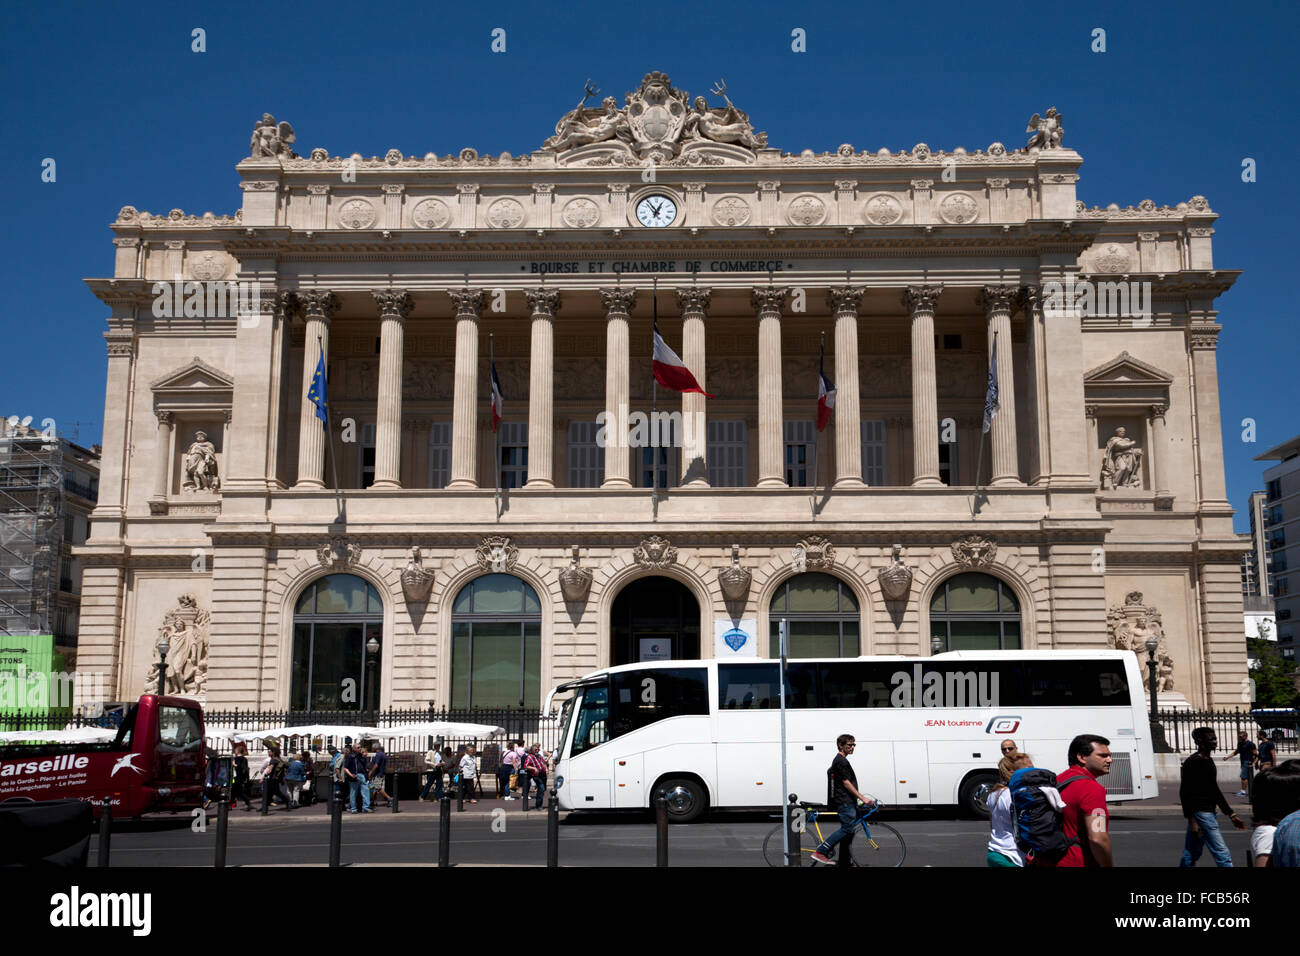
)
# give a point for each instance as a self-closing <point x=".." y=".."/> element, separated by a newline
<point x="656" y="210"/>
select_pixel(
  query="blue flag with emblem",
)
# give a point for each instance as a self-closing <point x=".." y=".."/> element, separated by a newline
<point x="991" y="405"/>
<point x="316" y="391"/>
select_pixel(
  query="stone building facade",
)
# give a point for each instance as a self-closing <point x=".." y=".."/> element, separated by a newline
<point x="1100" y="514"/>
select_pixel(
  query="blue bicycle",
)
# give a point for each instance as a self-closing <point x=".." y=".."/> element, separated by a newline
<point x="873" y="844"/>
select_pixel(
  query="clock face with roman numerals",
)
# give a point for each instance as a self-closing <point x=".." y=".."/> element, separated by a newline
<point x="656" y="211"/>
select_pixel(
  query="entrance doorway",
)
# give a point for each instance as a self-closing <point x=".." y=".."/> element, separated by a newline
<point x="654" y="619"/>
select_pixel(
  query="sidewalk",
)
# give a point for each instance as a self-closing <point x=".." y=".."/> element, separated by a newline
<point x="319" y="811"/>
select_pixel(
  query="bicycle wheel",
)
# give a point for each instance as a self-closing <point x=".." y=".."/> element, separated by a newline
<point x="880" y="846"/>
<point x="773" y="846"/>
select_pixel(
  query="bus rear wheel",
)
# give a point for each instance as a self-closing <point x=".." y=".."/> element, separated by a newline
<point x="686" y="798"/>
<point x="974" y="794"/>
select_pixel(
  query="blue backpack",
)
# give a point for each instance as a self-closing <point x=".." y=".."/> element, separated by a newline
<point x="1037" y="824"/>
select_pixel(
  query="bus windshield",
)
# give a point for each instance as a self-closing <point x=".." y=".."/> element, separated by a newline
<point x="593" y="718"/>
<point x="630" y="700"/>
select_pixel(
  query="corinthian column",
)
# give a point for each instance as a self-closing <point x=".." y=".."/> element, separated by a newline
<point x="317" y="308"/>
<point x="394" y="304"/>
<point x="164" y="445"/>
<point x="618" y="303"/>
<point x="767" y="301"/>
<point x="694" y="302"/>
<point x="541" y="384"/>
<point x="848" y="413"/>
<point x="920" y="301"/>
<point x="464" y="417"/>
<point x="997" y="301"/>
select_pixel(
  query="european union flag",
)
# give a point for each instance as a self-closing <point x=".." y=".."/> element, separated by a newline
<point x="316" y="392"/>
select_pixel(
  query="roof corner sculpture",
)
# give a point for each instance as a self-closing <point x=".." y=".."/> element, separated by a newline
<point x="271" y="140"/>
<point x="1047" y="130"/>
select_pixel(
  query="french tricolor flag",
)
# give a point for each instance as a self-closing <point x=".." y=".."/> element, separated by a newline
<point x="498" y="400"/>
<point x="669" y="370"/>
<point x="825" y="393"/>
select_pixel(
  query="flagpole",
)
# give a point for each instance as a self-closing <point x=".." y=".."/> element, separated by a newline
<point x="654" y="400"/>
<point x="341" y="518"/>
<point x="984" y="430"/>
<point x="817" y="434"/>
<point x="496" y="434"/>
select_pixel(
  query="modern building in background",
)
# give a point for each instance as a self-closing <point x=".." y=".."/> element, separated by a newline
<point x="473" y="566"/>
<point x="1280" y="511"/>
<point x="1256" y="563"/>
<point x="48" y="488"/>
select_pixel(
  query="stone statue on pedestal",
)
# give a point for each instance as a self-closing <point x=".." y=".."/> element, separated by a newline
<point x="201" y="472"/>
<point x="270" y="140"/>
<point x="1047" y="130"/>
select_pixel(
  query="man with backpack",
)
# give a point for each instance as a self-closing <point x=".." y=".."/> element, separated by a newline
<point x="1199" y="794"/>
<point x="1080" y="835"/>
<point x="844" y="799"/>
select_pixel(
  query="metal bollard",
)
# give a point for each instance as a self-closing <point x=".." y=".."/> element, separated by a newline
<point x="266" y="796"/>
<point x="336" y="831"/>
<point x="661" y="831"/>
<point x="392" y="803"/>
<point x="460" y="795"/>
<point x="223" y="825"/>
<point x="105" y="831"/>
<point x="524" y="788"/>
<point x="553" y="829"/>
<point x="794" y="831"/>
<point x="444" y="830"/>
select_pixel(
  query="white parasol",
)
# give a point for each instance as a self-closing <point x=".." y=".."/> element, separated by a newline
<point x="69" y="735"/>
<point x="440" y="728"/>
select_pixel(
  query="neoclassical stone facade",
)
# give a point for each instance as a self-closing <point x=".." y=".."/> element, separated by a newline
<point x="1102" y="473"/>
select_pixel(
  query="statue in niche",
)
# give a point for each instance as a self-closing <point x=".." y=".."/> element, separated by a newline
<point x="201" y="472"/>
<point x="186" y="629"/>
<point x="1121" y="462"/>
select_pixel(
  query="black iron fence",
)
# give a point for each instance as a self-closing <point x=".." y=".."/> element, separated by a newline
<point x="1283" y="728"/>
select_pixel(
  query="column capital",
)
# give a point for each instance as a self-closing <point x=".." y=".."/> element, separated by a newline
<point x="1028" y="300"/>
<point x="694" y="300"/>
<point x="997" y="298"/>
<point x="393" y="189"/>
<point x="1157" y="411"/>
<point x="467" y="189"/>
<point x="921" y="298"/>
<point x="766" y="298"/>
<point x="618" y="301"/>
<point x="1203" y="337"/>
<point x="121" y="344"/>
<point x="467" y="301"/>
<point x="393" y="303"/>
<point x="844" y="298"/>
<point x="1091" y="411"/>
<point x="543" y="301"/>
<point x="164" y="417"/>
<point x="317" y="305"/>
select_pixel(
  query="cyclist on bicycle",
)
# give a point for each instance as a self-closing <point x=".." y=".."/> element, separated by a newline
<point x="844" y="798"/>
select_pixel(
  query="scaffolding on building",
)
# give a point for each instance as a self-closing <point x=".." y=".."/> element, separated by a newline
<point x="31" y="488"/>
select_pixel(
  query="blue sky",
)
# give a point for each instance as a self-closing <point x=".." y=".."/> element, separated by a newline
<point x="131" y="115"/>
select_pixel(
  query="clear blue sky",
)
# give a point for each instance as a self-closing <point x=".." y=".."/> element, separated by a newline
<point x="114" y="94"/>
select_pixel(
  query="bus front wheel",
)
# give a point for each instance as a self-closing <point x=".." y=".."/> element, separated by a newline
<point x="686" y="798"/>
<point x="974" y="794"/>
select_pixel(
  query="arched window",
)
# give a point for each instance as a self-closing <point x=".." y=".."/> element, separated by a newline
<point x="822" y="613"/>
<point x="974" y="612"/>
<point x="496" y="644"/>
<point x="333" y="621"/>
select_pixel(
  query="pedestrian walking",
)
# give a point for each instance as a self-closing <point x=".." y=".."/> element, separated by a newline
<point x="1266" y="755"/>
<point x="844" y="798"/>
<point x="240" y="786"/>
<point x="273" y="770"/>
<point x="534" y="773"/>
<point x="1009" y="751"/>
<point x="294" y="775"/>
<point x="1085" y="820"/>
<point x="308" y="795"/>
<point x="378" y="768"/>
<point x="356" y="770"/>
<point x="1200" y="795"/>
<point x="432" y="773"/>
<point x="1245" y="752"/>
<point x="468" y="773"/>
<point x="1003" y="851"/>
<point x="1276" y="796"/>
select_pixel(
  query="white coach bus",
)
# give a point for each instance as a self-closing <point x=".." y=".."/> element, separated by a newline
<point x="707" y="733"/>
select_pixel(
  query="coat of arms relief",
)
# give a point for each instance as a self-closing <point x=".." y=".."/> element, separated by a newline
<point x="657" y="124"/>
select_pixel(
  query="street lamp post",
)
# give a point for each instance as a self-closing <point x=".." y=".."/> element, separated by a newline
<point x="163" y="646"/>
<point x="1152" y="645"/>
<point x="372" y="649"/>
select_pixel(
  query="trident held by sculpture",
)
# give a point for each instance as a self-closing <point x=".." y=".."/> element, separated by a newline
<point x="720" y="89"/>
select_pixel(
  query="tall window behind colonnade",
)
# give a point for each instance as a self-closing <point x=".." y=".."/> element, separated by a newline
<point x="496" y="644"/>
<point x="334" y="619"/>
<point x="823" y="615"/>
<point x="974" y="612"/>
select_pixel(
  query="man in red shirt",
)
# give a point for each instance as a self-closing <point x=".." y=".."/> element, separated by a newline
<point x="1086" y="819"/>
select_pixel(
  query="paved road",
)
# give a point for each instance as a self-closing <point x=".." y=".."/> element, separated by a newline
<point x="1142" y="837"/>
